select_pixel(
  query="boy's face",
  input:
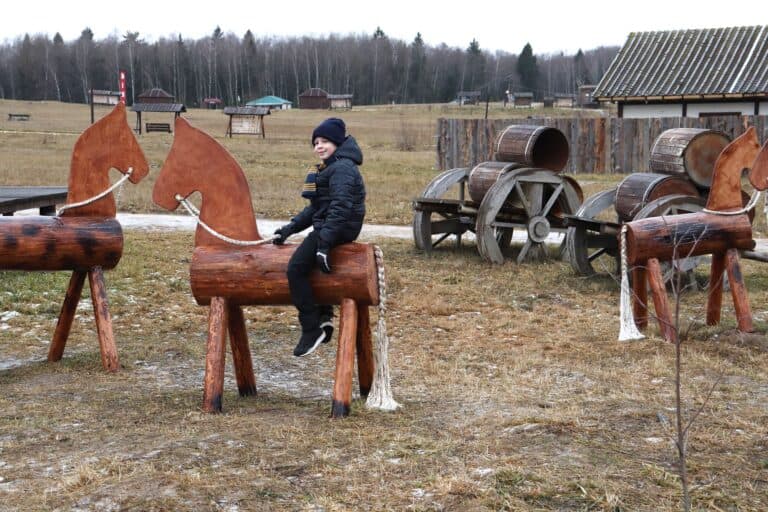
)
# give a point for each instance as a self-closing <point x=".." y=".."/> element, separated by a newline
<point x="324" y="148"/>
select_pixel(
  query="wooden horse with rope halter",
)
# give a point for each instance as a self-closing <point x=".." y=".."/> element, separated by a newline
<point x="84" y="237"/>
<point x="721" y="229"/>
<point x="232" y="266"/>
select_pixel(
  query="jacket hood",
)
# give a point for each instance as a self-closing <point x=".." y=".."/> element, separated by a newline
<point x="348" y="149"/>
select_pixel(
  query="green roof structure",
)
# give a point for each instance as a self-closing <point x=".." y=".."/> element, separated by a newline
<point x="268" y="101"/>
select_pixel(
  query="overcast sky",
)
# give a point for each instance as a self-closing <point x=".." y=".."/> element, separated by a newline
<point x="552" y="26"/>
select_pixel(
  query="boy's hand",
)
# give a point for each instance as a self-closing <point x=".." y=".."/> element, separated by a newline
<point x="282" y="234"/>
<point x="322" y="262"/>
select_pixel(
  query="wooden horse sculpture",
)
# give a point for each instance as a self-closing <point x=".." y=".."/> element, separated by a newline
<point x="85" y="238"/>
<point x="228" y="276"/>
<point x="721" y="229"/>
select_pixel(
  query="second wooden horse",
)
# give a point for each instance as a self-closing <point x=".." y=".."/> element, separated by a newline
<point x="86" y="238"/>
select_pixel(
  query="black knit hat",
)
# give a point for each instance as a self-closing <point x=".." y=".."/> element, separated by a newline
<point x="332" y="129"/>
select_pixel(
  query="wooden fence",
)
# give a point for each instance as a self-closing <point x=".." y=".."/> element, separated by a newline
<point x="597" y="145"/>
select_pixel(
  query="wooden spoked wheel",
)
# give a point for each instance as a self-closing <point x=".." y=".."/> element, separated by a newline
<point x="534" y="200"/>
<point x="674" y="205"/>
<point x="438" y="211"/>
<point x="591" y="240"/>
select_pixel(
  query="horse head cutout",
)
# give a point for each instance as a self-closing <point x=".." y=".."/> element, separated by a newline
<point x="106" y="144"/>
<point x="197" y="163"/>
<point x="725" y="193"/>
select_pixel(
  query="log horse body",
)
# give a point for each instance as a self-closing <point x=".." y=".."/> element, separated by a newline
<point x="228" y="275"/>
<point x="85" y="237"/>
<point x="721" y="229"/>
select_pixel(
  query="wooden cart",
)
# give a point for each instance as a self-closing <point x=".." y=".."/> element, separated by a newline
<point x="522" y="189"/>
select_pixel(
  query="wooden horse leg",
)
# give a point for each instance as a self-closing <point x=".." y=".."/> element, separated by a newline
<point x="66" y="316"/>
<point x="241" y="353"/>
<point x="213" y="383"/>
<point x="364" y="351"/>
<point x="738" y="291"/>
<point x="345" y="355"/>
<point x="103" y="319"/>
<point x="715" y="295"/>
<point x="640" y="297"/>
<point x="660" y="303"/>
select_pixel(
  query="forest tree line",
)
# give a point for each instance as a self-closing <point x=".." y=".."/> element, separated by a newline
<point x="375" y="68"/>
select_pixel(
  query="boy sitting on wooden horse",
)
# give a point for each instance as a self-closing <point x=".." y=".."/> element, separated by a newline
<point x="336" y="209"/>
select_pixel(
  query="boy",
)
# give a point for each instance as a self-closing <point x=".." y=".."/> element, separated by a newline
<point x="336" y="194"/>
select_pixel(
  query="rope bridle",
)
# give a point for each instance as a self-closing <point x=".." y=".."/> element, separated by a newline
<point x="118" y="184"/>
<point x="380" y="395"/>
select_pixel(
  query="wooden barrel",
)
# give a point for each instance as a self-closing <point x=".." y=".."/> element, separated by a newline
<point x="532" y="146"/>
<point x="59" y="243"/>
<point x="256" y="275"/>
<point x="688" y="151"/>
<point x="640" y="188"/>
<point x="484" y="175"/>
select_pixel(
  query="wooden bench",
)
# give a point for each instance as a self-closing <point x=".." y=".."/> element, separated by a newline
<point x="158" y="127"/>
<point x="13" y="199"/>
<point x="18" y="117"/>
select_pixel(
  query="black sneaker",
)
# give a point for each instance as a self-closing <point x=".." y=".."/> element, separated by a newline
<point x="308" y="342"/>
<point x="327" y="328"/>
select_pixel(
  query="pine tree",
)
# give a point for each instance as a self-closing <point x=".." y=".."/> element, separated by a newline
<point x="528" y="69"/>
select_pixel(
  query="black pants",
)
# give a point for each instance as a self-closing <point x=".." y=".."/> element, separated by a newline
<point x="299" y="267"/>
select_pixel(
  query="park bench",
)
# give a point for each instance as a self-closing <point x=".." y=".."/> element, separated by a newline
<point x="158" y="127"/>
<point x="18" y="117"/>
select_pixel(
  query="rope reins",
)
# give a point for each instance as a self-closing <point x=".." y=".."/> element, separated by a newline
<point x="380" y="395"/>
<point x="193" y="211"/>
<point x="751" y="204"/>
<point x="118" y="183"/>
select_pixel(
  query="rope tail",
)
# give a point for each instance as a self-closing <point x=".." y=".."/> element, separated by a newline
<point x="628" y="330"/>
<point x="380" y="396"/>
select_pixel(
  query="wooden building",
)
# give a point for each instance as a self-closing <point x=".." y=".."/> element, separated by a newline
<point x="314" y="98"/>
<point x="468" y="97"/>
<point x="246" y="120"/>
<point x="154" y="95"/>
<point x="340" y="101"/>
<point x="212" y="103"/>
<point x="522" y="99"/>
<point x="689" y="73"/>
<point x="156" y="109"/>
<point x="563" y="101"/>
<point x="584" y="98"/>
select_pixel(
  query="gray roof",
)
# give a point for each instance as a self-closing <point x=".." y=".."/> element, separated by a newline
<point x="247" y="111"/>
<point x="339" y="96"/>
<point x="159" y="107"/>
<point x="720" y="62"/>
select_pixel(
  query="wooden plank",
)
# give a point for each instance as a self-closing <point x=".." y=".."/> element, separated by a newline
<point x="13" y="199"/>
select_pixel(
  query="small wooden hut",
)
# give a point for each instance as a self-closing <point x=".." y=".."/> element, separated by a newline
<point x="246" y="120"/>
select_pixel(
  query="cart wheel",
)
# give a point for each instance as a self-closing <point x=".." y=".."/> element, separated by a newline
<point x="431" y="228"/>
<point x="674" y="205"/>
<point x="534" y="200"/>
<point x="594" y="248"/>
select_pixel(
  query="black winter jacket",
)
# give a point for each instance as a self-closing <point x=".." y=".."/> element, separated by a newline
<point x="338" y="209"/>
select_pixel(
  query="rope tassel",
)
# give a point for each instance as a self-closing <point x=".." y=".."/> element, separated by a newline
<point x="628" y="330"/>
<point x="380" y="396"/>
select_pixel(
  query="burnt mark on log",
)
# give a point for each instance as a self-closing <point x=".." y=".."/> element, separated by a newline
<point x="30" y="229"/>
<point x="339" y="409"/>
<point x="50" y="247"/>
<point x="247" y="390"/>
<point x="10" y="241"/>
<point x="364" y="391"/>
<point x="214" y="404"/>
<point x="86" y="240"/>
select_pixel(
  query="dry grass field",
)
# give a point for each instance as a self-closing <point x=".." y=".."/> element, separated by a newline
<point x="516" y="395"/>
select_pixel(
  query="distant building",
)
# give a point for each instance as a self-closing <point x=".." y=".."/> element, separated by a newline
<point x="468" y="97"/>
<point x="522" y="99"/>
<point x="155" y="95"/>
<point x="270" y="102"/>
<point x="212" y="103"/>
<point x="246" y="120"/>
<point x="316" y="98"/>
<point x="563" y="100"/>
<point x="584" y="98"/>
<point x="689" y="73"/>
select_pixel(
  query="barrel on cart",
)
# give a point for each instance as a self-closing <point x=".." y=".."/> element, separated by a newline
<point x="681" y="164"/>
<point x="521" y="189"/>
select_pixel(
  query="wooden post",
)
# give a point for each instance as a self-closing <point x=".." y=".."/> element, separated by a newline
<point x="738" y="291"/>
<point x="364" y="351"/>
<point x="213" y="383"/>
<point x="345" y="354"/>
<point x="660" y="303"/>
<point x="241" y="352"/>
<point x="66" y="316"/>
<point x="715" y="295"/>
<point x="103" y="320"/>
<point x="640" y="297"/>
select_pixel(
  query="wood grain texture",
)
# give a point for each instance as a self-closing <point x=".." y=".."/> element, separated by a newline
<point x="213" y="381"/>
<point x="66" y="315"/>
<point x="103" y="320"/>
<point x="345" y="359"/>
